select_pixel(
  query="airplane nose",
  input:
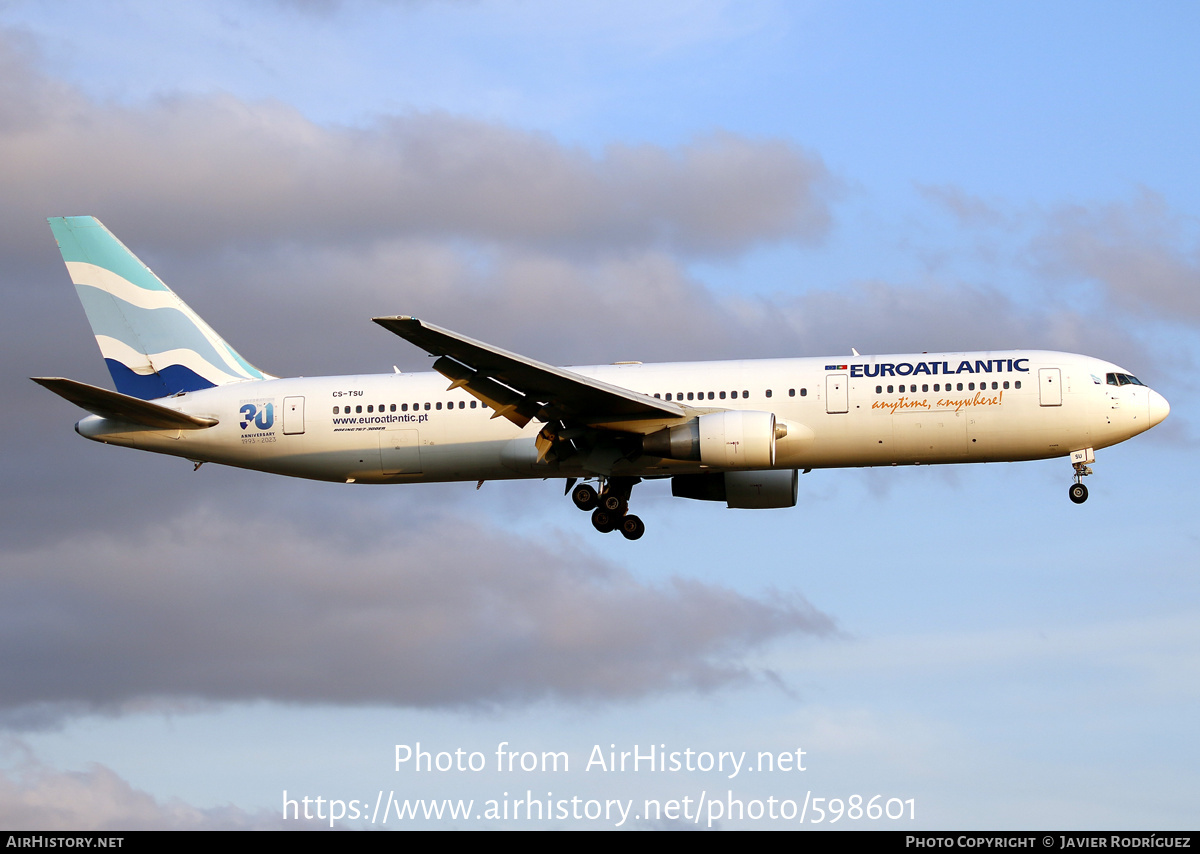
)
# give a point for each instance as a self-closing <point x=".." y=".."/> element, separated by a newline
<point x="1159" y="408"/>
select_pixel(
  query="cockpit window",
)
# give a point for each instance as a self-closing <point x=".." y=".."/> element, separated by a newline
<point x="1122" y="379"/>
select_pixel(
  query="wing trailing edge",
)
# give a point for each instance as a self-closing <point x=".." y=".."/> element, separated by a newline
<point x="522" y="389"/>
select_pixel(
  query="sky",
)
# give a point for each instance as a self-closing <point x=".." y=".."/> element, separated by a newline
<point x="585" y="183"/>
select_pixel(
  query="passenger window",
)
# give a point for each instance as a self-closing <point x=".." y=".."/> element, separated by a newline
<point x="768" y="392"/>
<point x="722" y="395"/>
<point x="879" y="389"/>
<point x="804" y="392"/>
<point x="791" y="392"/>
<point x="890" y="389"/>
<point x="473" y="403"/>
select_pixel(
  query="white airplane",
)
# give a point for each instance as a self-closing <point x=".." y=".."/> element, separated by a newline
<point x="736" y="431"/>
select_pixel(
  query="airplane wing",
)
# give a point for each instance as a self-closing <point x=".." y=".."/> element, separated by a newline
<point x="122" y="407"/>
<point x="522" y="389"/>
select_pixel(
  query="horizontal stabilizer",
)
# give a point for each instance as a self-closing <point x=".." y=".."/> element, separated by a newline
<point x="122" y="407"/>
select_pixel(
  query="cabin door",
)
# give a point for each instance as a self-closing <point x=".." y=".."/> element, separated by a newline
<point x="837" y="393"/>
<point x="293" y="416"/>
<point x="1050" y="381"/>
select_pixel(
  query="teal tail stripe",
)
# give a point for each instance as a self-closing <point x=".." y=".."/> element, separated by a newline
<point x="85" y="239"/>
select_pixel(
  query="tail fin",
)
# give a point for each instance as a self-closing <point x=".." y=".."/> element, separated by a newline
<point x="153" y="343"/>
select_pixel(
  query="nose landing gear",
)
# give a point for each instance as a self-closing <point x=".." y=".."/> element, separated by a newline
<point x="610" y="506"/>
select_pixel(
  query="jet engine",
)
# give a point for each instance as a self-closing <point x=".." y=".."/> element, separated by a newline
<point x="731" y="439"/>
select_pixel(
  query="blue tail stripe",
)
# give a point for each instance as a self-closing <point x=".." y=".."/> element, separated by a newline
<point x="169" y="380"/>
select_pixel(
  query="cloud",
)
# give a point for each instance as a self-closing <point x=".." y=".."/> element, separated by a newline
<point x="1143" y="253"/>
<point x="198" y="171"/>
<point x="971" y="211"/>
<point x="38" y="797"/>
<point x="430" y="611"/>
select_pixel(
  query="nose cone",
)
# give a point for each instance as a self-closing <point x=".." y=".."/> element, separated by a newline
<point x="1159" y="408"/>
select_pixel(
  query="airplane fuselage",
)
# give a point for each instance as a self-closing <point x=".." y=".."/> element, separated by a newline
<point x="862" y="411"/>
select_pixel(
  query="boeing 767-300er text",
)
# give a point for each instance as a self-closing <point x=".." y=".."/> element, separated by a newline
<point x="735" y="431"/>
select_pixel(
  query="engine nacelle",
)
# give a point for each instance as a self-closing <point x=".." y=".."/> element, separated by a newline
<point x="747" y="490"/>
<point x="731" y="439"/>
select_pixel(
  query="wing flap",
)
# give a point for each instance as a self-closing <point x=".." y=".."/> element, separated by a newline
<point x="520" y="388"/>
<point x="122" y="407"/>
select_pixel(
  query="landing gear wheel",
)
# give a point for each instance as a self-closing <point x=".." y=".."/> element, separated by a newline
<point x="585" y="497"/>
<point x="603" y="521"/>
<point x="632" y="528"/>
<point x="1078" y="493"/>
<point x="614" y="504"/>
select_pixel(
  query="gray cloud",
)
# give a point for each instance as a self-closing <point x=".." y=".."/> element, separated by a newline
<point x="1145" y="255"/>
<point x="425" y="612"/>
<point x="196" y="172"/>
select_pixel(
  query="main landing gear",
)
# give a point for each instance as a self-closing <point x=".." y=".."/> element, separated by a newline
<point x="1079" y="460"/>
<point x="610" y="506"/>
